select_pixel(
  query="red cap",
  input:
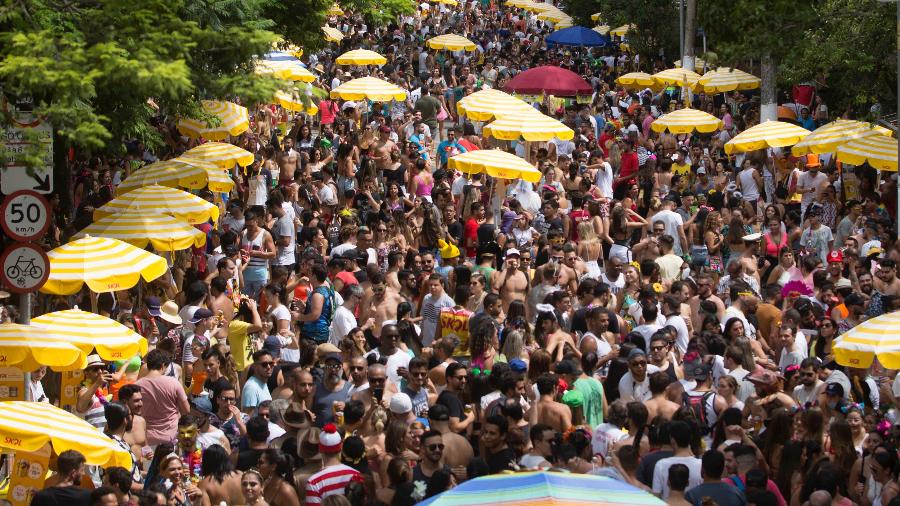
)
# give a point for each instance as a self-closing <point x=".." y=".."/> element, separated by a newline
<point x="835" y="256"/>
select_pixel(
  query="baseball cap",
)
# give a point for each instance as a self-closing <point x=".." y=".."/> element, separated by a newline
<point x="518" y="365"/>
<point x="333" y="357"/>
<point x="273" y="346"/>
<point x="763" y="377"/>
<point x="637" y="352"/>
<point x="512" y="252"/>
<point x="700" y="371"/>
<point x="843" y="283"/>
<point x="834" y="389"/>
<point x="568" y="366"/>
<point x="438" y="413"/>
<point x="201" y="313"/>
<point x="400" y="404"/>
<point x="835" y="256"/>
<point x="752" y="237"/>
<point x="152" y="304"/>
<point x="701" y="170"/>
<point x="202" y="404"/>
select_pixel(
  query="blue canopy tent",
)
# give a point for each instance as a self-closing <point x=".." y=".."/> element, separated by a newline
<point x="577" y="36"/>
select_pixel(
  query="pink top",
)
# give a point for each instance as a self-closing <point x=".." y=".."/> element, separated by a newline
<point x="424" y="184"/>
<point x="772" y="248"/>
<point x="162" y="396"/>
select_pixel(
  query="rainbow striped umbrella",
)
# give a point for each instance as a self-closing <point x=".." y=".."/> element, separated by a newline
<point x="543" y="489"/>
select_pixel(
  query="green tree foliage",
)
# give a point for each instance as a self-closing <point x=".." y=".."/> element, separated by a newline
<point x="655" y="21"/>
<point x="850" y="53"/>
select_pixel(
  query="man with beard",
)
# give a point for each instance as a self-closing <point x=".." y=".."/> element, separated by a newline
<point x="380" y="389"/>
<point x="704" y="292"/>
<point x="510" y="282"/>
<point x="136" y="437"/>
<point x="332" y="393"/>
<point x="432" y="453"/>
<point x="416" y="376"/>
<point x="256" y="389"/>
<point x="886" y="281"/>
<point x="359" y="378"/>
<point x="393" y="357"/>
<point x="807" y="388"/>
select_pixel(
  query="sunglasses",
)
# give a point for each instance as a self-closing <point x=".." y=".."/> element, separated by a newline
<point x="267" y="364"/>
<point x="436" y="447"/>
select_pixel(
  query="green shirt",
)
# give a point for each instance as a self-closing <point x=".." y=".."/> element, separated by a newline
<point x="592" y="391"/>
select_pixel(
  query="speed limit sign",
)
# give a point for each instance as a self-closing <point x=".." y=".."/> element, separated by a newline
<point x="25" y="215"/>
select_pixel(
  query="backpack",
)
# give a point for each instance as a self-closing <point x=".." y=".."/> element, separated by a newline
<point x="698" y="406"/>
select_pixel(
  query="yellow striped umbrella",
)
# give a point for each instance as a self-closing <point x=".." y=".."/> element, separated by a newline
<point x="536" y="6"/>
<point x="446" y="2"/>
<point x="621" y="31"/>
<point x="496" y="163"/>
<point x="489" y="103"/>
<point x="361" y="57"/>
<point x="601" y="29"/>
<point x="28" y="426"/>
<point x="877" y="337"/>
<point x="106" y="265"/>
<point x="553" y="14"/>
<point x="771" y="134"/>
<point x="140" y="228"/>
<point x="528" y="125"/>
<point x="564" y="23"/>
<point x="332" y="34"/>
<point x="521" y="4"/>
<point x="28" y="347"/>
<point x="827" y="138"/>
<point x="699" y="65"/>
<point x="220" y="153"/>
<point x="451" y="42"/>
<point x="296" y="102"/>
<point x="879" y="151"/>
<point x="335" y="10"/>
<point x="727" y="79"/>
<point x="87" y="331"/>
<point x="685" y="121"/>
<point x="678" y="77"/>
<point x="233" y="120"/>
<point x="162" y="199"/>
<point x="596" y="16"/>
<point x="371" y="88"/>
<point x="636" y="80"/>
<point x="183" y="171"/>
<point x="289" y="70"/>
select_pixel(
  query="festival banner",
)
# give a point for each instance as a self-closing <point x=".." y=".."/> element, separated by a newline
<point x="12" y="384"/>
<point x="68" y="392"/>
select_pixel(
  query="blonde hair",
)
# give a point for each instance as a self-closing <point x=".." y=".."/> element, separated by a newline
<point x="586" y="232"/>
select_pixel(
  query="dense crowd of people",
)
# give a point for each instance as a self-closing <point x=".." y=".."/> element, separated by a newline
<point x="367" y="326"/>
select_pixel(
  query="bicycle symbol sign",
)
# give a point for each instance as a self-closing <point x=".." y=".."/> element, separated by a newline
<point x="25" y="267"/>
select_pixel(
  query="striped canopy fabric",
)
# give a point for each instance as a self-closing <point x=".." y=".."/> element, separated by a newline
<point x="162" y="199"/>
<point x="553" y="14"/>
<point x="496" y="163"/>
<point x="332" y="34"/>
<point x="284" y="66"/>
<point x="29" y="347"/>
<point x="596" y="16"/>
<point x="295" y="101"/>
<point x="727" y="79"/>
<point x="183" y="171"/>
<point x="636" y="80"/>
<point x="489" y="103"/>
<point x="140" y="228"/>
<point x="677" y="77"/>
<point x="27" y="426"/>
<point x="451" y="42"/>
<point x="361" y="57"/>
<point x="879" y="151"/>
<point x="370" y="88"/>
<point x="827" y="138"/>
<point x="771" y="134"/>
<point x="685" y="121"/>
<point x="538" y="6"/>
<point x="87" y="331"/>
<point x="699" y="65"/>
<point x="621" y="31"/>
<point x="106" y="265"/>
<point x="233" y="120"/>
<point x="601" y="29"/>
<point x="563" y="23"/>
<point x="543" y="489"/>
<point x="528" y="125"/>
<point x="878" y="337"/>
<point x="221" y="153"/>
<point x="335" y="10"/>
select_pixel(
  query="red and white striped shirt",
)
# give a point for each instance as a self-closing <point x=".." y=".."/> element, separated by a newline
<point x="329" y="481"/>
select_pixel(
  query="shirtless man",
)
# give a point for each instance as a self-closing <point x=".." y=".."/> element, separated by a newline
<point x="220" y="485"/>
<point x="669" y="144"/>
<point x="288" y="158"/>
<point x="704" y="292"/>
<point x="749" y="259"/>
<point x="547" y="411"/>
<point x="658" y="403"/>
<point x="568" y="278"/>
<point x="396" y="263"/>
<point x="457" y="450"/>
<point x="571" y="260"/>
<point x="378" y="385"/>
<point x="383" y="304"/>
<point x="136" y="436"/>
<point x="886" y="280"/>
<point x="383" y="148"/>
<point x="648" y="248"/>
<point x="442" y="349"/>
<point x="219" y="301"/>
<point x="511" y="283"/>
